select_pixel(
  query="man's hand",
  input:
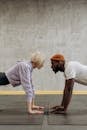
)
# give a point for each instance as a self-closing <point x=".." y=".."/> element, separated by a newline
<point x="57" y="110"/>
<point x="55" y="107"/>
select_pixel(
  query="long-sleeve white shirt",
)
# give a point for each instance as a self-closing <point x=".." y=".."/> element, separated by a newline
<point x="21" y="74"/>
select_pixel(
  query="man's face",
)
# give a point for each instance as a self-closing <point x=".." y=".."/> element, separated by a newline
<point x="57" y="66"/>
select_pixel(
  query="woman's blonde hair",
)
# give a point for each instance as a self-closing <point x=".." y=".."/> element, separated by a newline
<point x="38" y="58"/>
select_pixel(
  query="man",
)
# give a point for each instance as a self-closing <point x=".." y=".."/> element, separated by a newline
<point x="21" y="74"/>
<point x="73" y="72"/>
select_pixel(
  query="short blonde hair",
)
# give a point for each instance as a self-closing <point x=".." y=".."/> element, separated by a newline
<point x="38" y="58"/>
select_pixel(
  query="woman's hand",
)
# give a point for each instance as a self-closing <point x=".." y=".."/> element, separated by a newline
<point x="37" y="107"/>
<point x="33" y="109"/>
<point x="35" y="112"/>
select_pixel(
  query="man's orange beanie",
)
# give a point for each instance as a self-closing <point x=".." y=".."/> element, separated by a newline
<point x="58" y="57"/>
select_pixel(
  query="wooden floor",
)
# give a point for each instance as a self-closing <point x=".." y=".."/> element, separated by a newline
<point x="13" y="114"/>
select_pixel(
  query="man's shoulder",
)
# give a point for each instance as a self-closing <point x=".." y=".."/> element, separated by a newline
<point x="70" y="63"/>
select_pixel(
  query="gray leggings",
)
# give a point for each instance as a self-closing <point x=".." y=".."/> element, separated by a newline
<point x="3" y="79"/>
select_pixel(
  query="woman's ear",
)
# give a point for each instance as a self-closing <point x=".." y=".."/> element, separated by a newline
<point x="34" y="64"/>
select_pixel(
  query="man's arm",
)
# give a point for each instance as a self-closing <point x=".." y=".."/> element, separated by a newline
<point x="67" y="94"/>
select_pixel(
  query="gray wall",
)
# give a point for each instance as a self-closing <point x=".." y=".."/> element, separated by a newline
<point x="47" y="25"/>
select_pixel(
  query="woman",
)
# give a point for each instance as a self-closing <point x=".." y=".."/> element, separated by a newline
<point x="21" y="74"/>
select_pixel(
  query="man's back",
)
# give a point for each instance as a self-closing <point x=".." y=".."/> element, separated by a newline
<point x="74" y="69"/>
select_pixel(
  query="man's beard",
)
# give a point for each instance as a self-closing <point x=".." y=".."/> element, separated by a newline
<point x="56" y="70"/>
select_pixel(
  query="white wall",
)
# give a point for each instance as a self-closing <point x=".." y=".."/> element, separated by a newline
<point x="47" y="25"/>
